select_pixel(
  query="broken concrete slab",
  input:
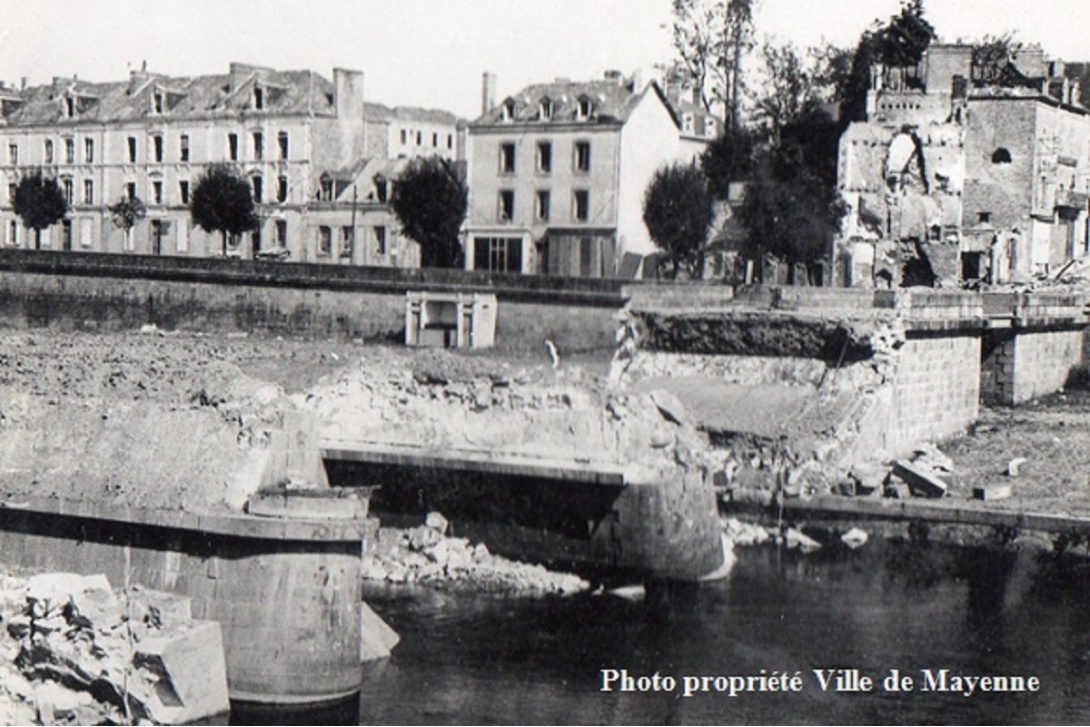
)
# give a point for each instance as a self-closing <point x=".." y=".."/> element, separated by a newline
<point x="921" y="480"/>
<point x="191" y="673"/>
<point x="669" y="406"/>
<point x="377" y="638"/>
<point x="854" y="538"/>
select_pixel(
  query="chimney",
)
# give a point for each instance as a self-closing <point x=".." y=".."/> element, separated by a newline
<point x="614" y="75"/>
<point x="698" y="96"/>
<point x="637" y="80"/>
<point x="22" y="83"/>
<point x="488" y="92"/>
<point x="348" y="94"/>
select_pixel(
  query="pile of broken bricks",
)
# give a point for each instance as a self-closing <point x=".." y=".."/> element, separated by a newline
<point x="73" y="651"/>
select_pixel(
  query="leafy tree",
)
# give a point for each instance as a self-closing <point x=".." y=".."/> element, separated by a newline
<point x="430" y="200"/>
<point x="789" y="91"/>
<point x="40" y="203"/>
<point x="678" y="210"/>
<point x="789" y="211"/>
<point x="126" y="212"/>
<point x="223" y="202"/>
<point x="904" y="39"/>
<point x="728" y="158"/>
<point x="711" y="39"/>
<point x="992" y="55"/>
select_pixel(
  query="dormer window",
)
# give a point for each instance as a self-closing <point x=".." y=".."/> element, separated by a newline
<point x="259" y="98"/>
<point x="546" y="110"/>
<point x="586" y="108"/>
<point x="709" y="127"/>
<point x="157" y="102"/>
<point x="69" y="107"/>
<point x="687" y="123"/>
<point x="507" y="111"/>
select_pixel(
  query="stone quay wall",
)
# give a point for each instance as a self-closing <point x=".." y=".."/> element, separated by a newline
<point x="110" y="292"/>
<point x="287" y="593"/>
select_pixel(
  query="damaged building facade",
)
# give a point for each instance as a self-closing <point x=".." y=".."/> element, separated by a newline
<point x="965" y="172"/>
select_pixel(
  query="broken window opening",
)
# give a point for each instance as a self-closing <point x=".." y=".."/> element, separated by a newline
<point x="1001" y="156"/>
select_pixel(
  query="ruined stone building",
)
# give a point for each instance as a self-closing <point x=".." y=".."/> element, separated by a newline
<point x="313" y="155"/>
<point x="965" y="171"/>
<point x="558" y="171"/>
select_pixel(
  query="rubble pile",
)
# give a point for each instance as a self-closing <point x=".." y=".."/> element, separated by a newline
<point x="425" y="555"/>
<point x="72" y="651"/>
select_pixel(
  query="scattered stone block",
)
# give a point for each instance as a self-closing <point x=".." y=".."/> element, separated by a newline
<point x="920" y="480"/>
<point x="1014" y="466"/>
<point x="94" y="603"/>
<point x="190" y="671"/>
<point x="50" y="592"/>
<point x="869" y="479"/>
<point x="794" y="538"/>
<point x="992" y="492"/>
<point x="855" y="538"/>
<point x="436" y="521"/>
<point x="377" y="638"/>
<point x="669" y="406"/>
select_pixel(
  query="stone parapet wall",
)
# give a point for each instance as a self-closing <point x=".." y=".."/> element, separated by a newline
<point x="1019" y="364"/>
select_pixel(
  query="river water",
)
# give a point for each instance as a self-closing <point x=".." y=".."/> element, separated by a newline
<point x="888" y="606"/>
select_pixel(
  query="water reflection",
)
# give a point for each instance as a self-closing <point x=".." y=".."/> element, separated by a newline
<point x="908" y="606"/>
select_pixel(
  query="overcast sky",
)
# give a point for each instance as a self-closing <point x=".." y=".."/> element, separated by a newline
<point x="432" y="52"/>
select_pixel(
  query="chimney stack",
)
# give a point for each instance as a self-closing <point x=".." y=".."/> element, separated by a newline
<point x="488" y="92"/>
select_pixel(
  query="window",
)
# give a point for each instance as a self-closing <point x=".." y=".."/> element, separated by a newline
<point x="157" y="192"/>
<point x="232" y="147"/>
<point x="507" y="205"/>
<point x="132" y="150"/>
<point x="13" y="233"/>
<point x="88" y="150"/>
<point x="581" y="208"/>
<point x="450" y="141"/>
<point x="419" y="138"/>
<point x="259" y="98"/>
<point x="13" y="154"/>
<point x="281" y="233"/>
<point x="435" y="139"/>
<point x="687" y="123"/>
<point x="507" y="158"/>
<point x="1001" y="156"/>
<point x="382" y="190"/>
<point x="183" y="191"/>
<point x="183" y="147"/>
<point x="281" y="189"/>
<point x="11" y="194"/>
<point x="259" y="146"/>
<point x="259" y="188"/>
<point x="546" y="110"/>
<point x="48" y="151"/>
<point x="255" y="239"/>
<point x="66" y="185"/>
<point x="325" y="240"/>
<point x="157" y="147"/>
<point x="282" y="141"/>
<point x="69" y="107"/>
<point x="709" y="127"/>
<point x="984" y="217"/>
<point x="545" y="157"/>
<point x="130" y="190"/>
<point x="585" y="108"/>
<point x="157" y="102"/>
<point x="582" y="156"/>
<point x="347" y="241"/>
<point x="327" y="190"/>
<point x="69" y="151"/>
<point x="88" y="191"/>
<point x="66" y="234"/>
<point x="380" y="239"/>
<point x="404" y="137"/>
<point x="507" y="112"/>
<point x="501" y="254"/>
<point x="541" y="208"/>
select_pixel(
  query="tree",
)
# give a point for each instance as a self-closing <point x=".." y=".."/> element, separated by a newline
<point x="223" y="202"/>
<point x="906" y="36"/>
<point x="789" y="211"/>
<point x="430" y="200"/>
<point x="789" y="89"/>
<point x="40" y="203"/>
<point x="711" y="38"/>
<point x="728" y="158"/>
<point x="992" y="57"/>
<point x="126" y="212"/>
<point x="678" y="210"/>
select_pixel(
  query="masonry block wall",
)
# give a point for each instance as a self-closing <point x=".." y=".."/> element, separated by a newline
<point x="935" y="393"/>
<point x="1019" y="365"/>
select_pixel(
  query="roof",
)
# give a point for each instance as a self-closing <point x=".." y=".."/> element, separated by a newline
<point x="283" y="92"/>
<point x="377" y="112"/>
<point x="428" y="116"/>
<point x="611" y="100"/>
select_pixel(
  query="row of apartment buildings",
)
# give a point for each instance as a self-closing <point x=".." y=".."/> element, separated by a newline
<point x="967" y="171"/>
<point x="556" y="172"/>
